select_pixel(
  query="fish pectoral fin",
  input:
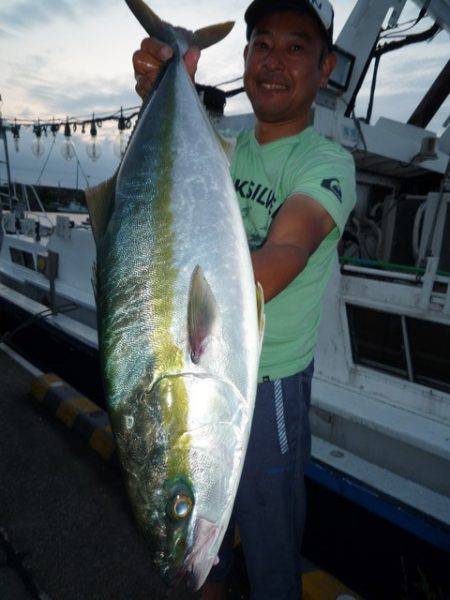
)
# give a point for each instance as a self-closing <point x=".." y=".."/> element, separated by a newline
<point x="208" y="36"/>
<point x="260" y="312"/>
<point x="202" y="313"/>
<point x="100" y="203"/>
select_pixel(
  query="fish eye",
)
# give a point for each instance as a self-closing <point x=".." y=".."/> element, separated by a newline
<point x="180" y="507"/>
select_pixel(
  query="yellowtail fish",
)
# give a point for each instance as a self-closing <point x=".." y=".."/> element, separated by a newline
<point x="179" y="331"/>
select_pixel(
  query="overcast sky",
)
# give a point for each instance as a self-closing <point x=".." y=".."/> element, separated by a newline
<point x="73" y="57"/>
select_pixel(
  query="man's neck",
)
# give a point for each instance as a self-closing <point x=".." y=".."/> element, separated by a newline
<point x="271" y="132"/>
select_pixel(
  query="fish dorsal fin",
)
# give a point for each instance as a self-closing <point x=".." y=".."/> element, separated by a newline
<point x="100" y="203"/>
<point x="202" y="314"/>
<point x="260" y="312"/>
<point x="208" y="36"/>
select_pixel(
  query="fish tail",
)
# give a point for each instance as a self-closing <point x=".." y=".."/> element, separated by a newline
<point x="153" y="25"/>
<point x="208" y="36"/>
<point x="156" y="27"/>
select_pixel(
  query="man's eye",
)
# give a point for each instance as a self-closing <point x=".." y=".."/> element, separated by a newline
<point x="262" y="45"/>
<point x="296" y="48"/>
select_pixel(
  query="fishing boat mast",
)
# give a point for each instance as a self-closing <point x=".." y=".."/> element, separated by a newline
<point x="3" y="130"/>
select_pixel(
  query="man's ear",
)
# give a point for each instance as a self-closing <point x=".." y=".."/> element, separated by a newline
<point x="328" y="66"/>
<point x="246" y="52"/>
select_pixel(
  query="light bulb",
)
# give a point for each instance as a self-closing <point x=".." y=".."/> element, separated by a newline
<point x="68" y="149"/>
<point x="93" y="149"/>
<point x="120" y="144"/>
<point x="37" y="148"/>
<point x="15" y="130"/>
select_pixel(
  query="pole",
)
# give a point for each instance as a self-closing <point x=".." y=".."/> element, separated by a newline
<point x="433" y="100"/>
<point x="8" y="171"/>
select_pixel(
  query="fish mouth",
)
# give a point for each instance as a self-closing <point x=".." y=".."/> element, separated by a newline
<point x="201" y="558"/>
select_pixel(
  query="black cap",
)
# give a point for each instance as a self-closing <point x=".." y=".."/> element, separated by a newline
<point x="320" y="9"/>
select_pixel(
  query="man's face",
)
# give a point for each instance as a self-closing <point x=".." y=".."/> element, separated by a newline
<point x="283" y="66"/>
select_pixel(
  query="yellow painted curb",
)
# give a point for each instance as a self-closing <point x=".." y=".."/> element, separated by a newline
<point x="67" y="413"/>
<point x="102" y="442"/>
<point x="40" y="385"/>
<point x="318" y="585"/>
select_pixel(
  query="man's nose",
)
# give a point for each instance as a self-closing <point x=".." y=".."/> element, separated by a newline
<point x="274" y="60"/>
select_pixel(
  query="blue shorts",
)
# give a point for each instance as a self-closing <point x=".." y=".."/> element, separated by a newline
<point x="270" y="504"/>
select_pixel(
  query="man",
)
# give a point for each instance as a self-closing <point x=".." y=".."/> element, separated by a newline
<point x="296" y="190"/>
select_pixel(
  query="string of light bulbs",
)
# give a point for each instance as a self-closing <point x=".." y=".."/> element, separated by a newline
<point x="70" y="125"/>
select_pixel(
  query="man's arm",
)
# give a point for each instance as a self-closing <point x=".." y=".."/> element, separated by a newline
<point x="295" y="234"/>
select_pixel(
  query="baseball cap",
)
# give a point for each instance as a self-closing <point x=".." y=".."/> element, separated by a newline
<point x="321" y="9"/>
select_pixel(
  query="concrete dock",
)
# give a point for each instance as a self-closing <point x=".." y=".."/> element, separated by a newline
<point x="66" y="531"/>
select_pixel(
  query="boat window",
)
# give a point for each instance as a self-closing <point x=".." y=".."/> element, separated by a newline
<point x="430" y="343"/>
<point x="377" y="340"/>
<point x="16" y="256"/>
<point x="23" y="258"/>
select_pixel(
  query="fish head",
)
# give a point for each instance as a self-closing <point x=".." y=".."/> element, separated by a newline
<point x="183" y="471"/>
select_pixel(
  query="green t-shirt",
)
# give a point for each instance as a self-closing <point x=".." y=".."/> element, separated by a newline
<point x="264" y="177"/>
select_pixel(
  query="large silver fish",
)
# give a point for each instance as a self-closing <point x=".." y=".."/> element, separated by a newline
<point x="178" y="323"/>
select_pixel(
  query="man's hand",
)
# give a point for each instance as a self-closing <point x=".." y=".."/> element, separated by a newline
<point x="150" y="58"/>
<point x="295" y="234"/>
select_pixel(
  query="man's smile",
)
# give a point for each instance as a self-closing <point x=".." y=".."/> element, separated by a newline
<point x="272" y="86"/>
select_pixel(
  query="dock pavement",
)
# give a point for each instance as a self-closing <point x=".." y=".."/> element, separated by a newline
<point x="66" y="531"/>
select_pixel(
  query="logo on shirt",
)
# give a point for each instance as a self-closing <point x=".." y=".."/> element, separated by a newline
<point x="249" y="190"/>
<point x="334" y="186"/>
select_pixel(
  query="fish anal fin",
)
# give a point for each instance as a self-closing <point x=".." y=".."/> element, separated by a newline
<point x="208" y="36"/>
<point x="260" y="312"/>
<point x="100" y="203"/>
<point x="202" y="314"/>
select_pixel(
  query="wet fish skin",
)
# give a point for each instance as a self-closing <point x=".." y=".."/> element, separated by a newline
<point x="178" y="328"/>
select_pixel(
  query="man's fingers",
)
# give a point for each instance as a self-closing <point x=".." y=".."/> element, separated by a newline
<point x="144" y="63"/>
<point x="143" y="85"/>
<point x="148" y="61"/>
<point x="191" y="59"/>
<point x="157" y="49"/>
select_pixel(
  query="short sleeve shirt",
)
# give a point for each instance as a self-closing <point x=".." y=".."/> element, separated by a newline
<point x="264" y="177"/>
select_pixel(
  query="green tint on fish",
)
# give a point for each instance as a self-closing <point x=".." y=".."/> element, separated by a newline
<point x="177" y="319"/>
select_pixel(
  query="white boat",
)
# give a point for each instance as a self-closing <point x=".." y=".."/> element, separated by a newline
<point x="380" y="411"/>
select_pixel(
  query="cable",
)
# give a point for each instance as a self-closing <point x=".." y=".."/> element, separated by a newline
<point x="46" y="161"/>
<point x="373" y="88"/>
<point x="229" y="81"/>
<point x="27" y="122"/>
<point x="235" y="92"/>
<point x="81" y="168"/>
<point x="44" y="314"/>
<point x="414" y="22"/>
<point x="410" y="39"/>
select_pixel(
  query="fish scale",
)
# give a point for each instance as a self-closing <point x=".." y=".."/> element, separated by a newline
<point x="179" y="333"/>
